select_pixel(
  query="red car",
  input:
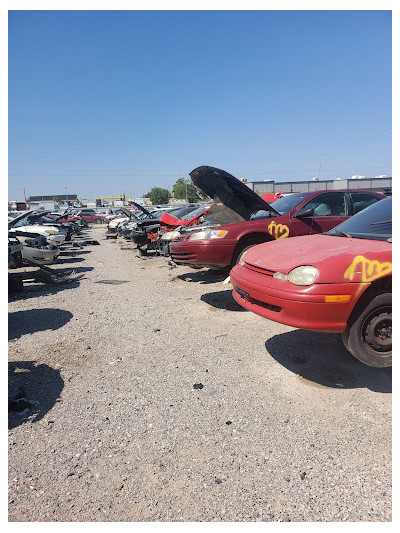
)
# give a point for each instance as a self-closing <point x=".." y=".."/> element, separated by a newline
<point x="92" y="218"/>
<point x="239" y="218"/>
<point x="338" y="282"/>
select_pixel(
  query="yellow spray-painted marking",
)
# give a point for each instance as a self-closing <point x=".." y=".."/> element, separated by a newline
<point x="369" y="269"/>
<point x="279" y="231"/>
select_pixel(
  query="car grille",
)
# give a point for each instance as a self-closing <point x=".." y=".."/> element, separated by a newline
<point x="260" y="270"/>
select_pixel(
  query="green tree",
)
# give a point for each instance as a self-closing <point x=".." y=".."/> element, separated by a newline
<point x="158" y="195"/>
<point x="184" y="189"/>
<point x="57" y="199"/>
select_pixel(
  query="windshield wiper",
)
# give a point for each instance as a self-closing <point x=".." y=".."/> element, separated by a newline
<point x="382" y="222"/>
<point x="343" y="233"/>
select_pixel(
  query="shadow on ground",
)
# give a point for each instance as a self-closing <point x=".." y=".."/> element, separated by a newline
<point x="32" y="290"/>
<point x="320" y="359"/>
<point x="205" y="276"/>
<point x="69" y="260"/>
<point x="74" y="252"/>
<point x="32" y="391"/>
<point x="222" y="300"/>
<point x="27" y="322"/>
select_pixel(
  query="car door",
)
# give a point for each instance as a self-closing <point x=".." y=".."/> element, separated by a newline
<point x="330" y="208"/>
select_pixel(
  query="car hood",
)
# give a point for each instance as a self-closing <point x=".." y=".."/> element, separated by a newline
<point x="361" y="259"/>
<point x="233" y="200"/>
<point x="129" y="213"/>
<point x="36" y="228"/>
<point x="141" y="208"/>
<point x="32" y="214"/>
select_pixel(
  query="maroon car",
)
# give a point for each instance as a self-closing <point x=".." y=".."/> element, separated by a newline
<point x="91" y="218"/>
<point x="239" y="218"/>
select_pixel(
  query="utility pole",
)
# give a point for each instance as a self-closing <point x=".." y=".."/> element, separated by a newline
<point x="24" y="195"/>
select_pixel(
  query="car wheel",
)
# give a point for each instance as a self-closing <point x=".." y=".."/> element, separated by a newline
<point x="243" y="247"/>
<point x="368" y="335"/>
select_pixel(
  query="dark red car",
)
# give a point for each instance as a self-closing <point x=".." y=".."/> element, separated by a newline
<point x="239" y="218"/>
<point x="340" y="282"/>
<point x="92" y="218"/>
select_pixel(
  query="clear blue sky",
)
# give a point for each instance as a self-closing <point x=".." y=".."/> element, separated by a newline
<point x="110" y="102"/>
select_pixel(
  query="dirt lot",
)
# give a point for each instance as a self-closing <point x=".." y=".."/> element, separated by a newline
<point x="157" y="398"/>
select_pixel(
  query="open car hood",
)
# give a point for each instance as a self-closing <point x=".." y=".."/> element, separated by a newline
<point x="129" y="213"/>
<point x="169" y="220"/>
<point x="147" y="213"/>
<point x="31" y="214"/>
<point x="233" y="200"/>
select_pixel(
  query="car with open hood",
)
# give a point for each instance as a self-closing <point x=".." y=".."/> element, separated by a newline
<point x="239" y="218"/>
<point x="339" y="282"/>
<point x="40" y="241"/>
<point x="146" y="237"/>
<point x="25" y="224"/>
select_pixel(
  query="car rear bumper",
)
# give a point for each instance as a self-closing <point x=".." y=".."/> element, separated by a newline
<point x="303" y="307"/>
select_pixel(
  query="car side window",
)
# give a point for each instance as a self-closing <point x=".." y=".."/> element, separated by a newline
<point x="328" y="204"/>
<point x="361" y="200"/>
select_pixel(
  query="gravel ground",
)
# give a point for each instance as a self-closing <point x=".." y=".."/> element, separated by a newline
<point x="159" y="399"/>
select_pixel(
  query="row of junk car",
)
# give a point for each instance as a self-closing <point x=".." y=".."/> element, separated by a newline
<point x="334" y="276"/>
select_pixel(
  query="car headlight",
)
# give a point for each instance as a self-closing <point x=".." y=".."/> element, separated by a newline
<point x="170" y="235"/>
<point x="303" y="275"/>
<point x="208" y="234"/>
<point x="51" y="232"/>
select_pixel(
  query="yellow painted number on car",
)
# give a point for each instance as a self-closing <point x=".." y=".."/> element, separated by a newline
<point x="368" y="269"/>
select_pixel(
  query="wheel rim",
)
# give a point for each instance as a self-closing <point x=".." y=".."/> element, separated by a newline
<point x="377" y="331"/>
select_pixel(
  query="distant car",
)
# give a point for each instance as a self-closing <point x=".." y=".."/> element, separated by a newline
<point x="338" y="282"/>
<point x="92" y="218"/>
<point x="240" y="218"/>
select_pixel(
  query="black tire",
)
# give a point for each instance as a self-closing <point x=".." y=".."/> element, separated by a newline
<point x="368" y="335"/>
<point x="15" y="284"/>
<point x="143" y="250"/>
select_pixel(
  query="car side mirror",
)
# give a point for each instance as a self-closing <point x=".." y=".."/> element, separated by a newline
<point x="304" y="212"/>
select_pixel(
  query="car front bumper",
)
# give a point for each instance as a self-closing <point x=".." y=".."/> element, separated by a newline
<point x="212" y="254"/>
<point x="300" y="307"/>
<point x="42" y="256"/>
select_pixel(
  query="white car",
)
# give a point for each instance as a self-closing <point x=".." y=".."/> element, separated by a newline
<point x="25" y="224"/>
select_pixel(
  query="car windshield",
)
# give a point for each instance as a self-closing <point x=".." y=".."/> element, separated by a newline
<point x="182" y="211"/>
<point x="261" y="214"/>
<point x="193" y="213"/>
<point x="287" y="203"/>
<point x="20" y="223"/>
<point x="373" y="222"/>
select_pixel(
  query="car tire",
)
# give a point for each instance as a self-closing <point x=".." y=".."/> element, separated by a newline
<point x="241" y="248"/>
<point x="368" y="335"/>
